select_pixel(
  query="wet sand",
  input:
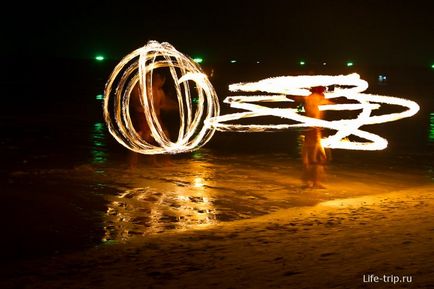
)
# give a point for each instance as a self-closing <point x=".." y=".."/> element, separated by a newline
<point x="247" y="226"/>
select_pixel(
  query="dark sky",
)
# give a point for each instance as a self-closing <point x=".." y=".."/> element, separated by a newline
<point x="364" y="31"/>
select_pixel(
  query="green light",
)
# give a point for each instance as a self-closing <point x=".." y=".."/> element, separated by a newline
<point x="99" y="58"/>
<point x="99" y="127"/>
<point x="100" y="97"/>
<point x="197" y="155"/>
<point x="431" y="127"/>
<point x="99" y="154"/>
<point x="300" y="108"/>
<point x="198" y="59"/>
<point x="302" y="63"/>
<point x="233" y="61"/>
<point x="432" y="66"/>
<point x="350" y="63"/>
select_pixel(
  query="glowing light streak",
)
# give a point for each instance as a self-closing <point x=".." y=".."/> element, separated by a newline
<point x="138" y="67"/>
<point x="299" y="85"/>
<point x="198" y="122"/>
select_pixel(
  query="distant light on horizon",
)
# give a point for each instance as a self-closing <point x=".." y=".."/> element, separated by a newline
<point x="99" y="58"/>
<point x="350" y="63"/>
<point x="100" y="97"/>
<point x="432" y="66"/>
<point x="302" y="63"/>
<point x="233" y="61"/>
<point x="198" y="59"/>
<point x="382" y="78"/>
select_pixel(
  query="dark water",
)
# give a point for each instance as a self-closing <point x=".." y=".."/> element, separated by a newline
<point x="66" y="184"/>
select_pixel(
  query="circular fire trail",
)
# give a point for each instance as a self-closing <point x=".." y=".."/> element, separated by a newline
<point x="138" y="67"/>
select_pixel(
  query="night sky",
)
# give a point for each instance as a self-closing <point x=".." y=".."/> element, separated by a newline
<point x="384" y="32"/>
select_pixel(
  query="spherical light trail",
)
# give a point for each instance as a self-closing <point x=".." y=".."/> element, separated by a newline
<point x="138" y="67"/>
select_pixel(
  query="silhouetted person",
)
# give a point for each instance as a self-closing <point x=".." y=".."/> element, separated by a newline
<point x="313" y="154"/>
<point x="160" y="102"/>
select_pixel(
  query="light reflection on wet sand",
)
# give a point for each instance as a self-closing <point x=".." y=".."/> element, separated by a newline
<point x="170" y="194"/>
<point x="142" y="211"/>
<point x="148" y="210"/>
<point x="192" y="194"/>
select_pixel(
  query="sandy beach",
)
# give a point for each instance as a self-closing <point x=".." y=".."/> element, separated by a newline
<point x="333" y="244"/>
<point x="169" y="144"/>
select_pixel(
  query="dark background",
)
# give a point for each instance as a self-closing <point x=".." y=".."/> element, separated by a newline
<point x="374" y="32"/>
<point x="50" y="117"/>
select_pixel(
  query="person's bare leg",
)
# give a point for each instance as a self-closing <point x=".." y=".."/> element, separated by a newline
<point x="318" y="174"/>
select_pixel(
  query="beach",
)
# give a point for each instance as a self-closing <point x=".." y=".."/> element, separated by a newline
<point x="231" y="223"/>
<point x="329" y="245"/>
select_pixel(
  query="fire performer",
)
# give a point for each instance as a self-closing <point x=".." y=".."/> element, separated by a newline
<point x="313" y="154"/>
